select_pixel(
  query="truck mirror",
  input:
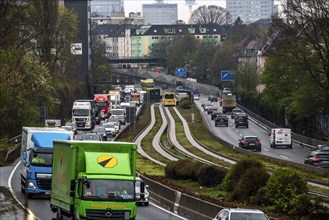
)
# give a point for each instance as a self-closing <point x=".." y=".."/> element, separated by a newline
<point x="24" y="155"/>
<point x="86" y="182"/>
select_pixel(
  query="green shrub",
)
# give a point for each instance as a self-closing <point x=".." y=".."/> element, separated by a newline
<point x="249" y="184"/>
<point x="233" y="177"/>
<point x="211" y="176"/>
<point x="285" y="190"/>
<point x="185" y="103"/>
<point x="181" y="169"/>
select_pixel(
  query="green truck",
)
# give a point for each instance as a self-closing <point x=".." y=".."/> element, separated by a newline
<point x="94" y="180"/>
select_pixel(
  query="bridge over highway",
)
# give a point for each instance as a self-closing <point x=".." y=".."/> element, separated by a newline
<point x="134" y="75"/>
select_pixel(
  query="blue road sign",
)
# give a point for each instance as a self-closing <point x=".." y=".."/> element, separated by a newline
<point x="181" y="72"/>
<point x="227" y="75"/>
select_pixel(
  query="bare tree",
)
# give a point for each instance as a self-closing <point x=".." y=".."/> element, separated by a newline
<point x="210" y="15"/>
<point x="306" y="29"/>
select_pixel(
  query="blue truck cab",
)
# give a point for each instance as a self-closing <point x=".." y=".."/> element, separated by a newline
<point x="36" y="158"/>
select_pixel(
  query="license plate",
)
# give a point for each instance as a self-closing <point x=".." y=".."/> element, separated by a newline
<point x="251" y="144"/>
<point x="47" y="193"/>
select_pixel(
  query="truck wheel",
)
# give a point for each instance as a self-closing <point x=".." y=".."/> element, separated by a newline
<point x="290" y="146"/>
<point x="22" y="189"/>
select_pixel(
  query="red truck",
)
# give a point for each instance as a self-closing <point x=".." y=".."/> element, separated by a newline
<point x="103" y="101"/>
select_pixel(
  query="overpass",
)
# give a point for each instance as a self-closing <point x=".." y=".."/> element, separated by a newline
<point x="150" y="60"/>
<point x="135" y="75"/>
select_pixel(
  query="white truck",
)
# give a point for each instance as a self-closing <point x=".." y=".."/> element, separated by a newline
<point x="280" y="137"/>
<point x="82" y="115"/>
<point x="36" y="158"/>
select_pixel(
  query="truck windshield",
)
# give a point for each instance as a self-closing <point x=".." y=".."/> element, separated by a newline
<point x="117" y="112"/>
<point x="41" y="159"/>
<point x="81" y="112"/>
<point x="109" y="190"/>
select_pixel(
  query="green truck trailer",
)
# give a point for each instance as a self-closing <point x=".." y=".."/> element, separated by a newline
<point x="94" y="180"/>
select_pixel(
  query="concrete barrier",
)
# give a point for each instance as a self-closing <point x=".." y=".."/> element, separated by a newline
<point x="181" y="203"/>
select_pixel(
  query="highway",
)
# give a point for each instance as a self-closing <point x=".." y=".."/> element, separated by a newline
<point x="39" y="207"/>
<point x="232" y="135"/>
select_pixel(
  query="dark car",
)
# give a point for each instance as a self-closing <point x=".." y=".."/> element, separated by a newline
<point x="214" y="114"/>
<point x="318" y="159"/>
<point x="101" y="132"/>
<point x="91" y="137"/>
<point x="241" y="120"/>
<point x="250" y="143"/>
<point x="221" y="120"/>
<point x="211" y="109"/>
<point x="212" y="98"/>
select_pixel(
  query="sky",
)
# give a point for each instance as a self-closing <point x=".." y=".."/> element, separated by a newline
<point x="183" y="10"/>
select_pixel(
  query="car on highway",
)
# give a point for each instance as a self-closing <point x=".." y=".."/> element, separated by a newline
<point x="221" y="120"/>
<point x="211" y="109"/>
<point x="250" y="143"/>
<point x="101" y="131"/>
<point x="318" y="159"/>
<point x="73" y="125"/>
<point x="164" y="86"/>
<point x="207" y="106"/>
<point x="240" y="214"/>
<point x="214" y="114"/>
<point x="241" y="119"/>
<point x="110" y="129"/>
<point x="139" y="199"/>
<point x="235" y="111"/>
<point x="116" y="125"/>
<point x="90" y="136"/>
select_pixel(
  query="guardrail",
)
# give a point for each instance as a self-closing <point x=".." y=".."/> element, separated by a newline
<point x="16" y="142"/>
<point x="301" y="140"/>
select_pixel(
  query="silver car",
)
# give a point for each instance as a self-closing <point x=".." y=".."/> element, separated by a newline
<point x="110" y="129"/>
<point x="231" y="214"/>
<point x="141" y="201"/>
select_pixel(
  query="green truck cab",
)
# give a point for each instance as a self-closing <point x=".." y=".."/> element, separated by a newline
<point x="94" y="180"/>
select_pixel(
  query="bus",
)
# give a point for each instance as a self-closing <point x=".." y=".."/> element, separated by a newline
<point x="169" y="99"/>
<point x="147" y="84"/>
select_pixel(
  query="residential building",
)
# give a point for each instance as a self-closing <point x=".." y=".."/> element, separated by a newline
<point x="160" y="13"/>
<point x="251" y="10"/>
<point x="119" y="18"/>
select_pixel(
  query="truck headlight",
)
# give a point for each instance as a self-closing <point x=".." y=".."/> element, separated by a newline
<point x="31" y="185"/>
<point x="88" y="123"/>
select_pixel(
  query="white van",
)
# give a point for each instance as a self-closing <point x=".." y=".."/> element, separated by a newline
<point x="280" y="137"/>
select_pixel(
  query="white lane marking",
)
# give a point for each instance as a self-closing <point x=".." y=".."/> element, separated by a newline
<point x="31" y="215"/>
<point x="165" y="210"/>
<point x="284" y="157"/>
<point x="241" y="135"/>
<point x="265" y="149"/>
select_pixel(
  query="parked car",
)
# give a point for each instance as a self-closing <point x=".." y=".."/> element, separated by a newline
<point x="241" y="119"/>
<point x="91" y="137"/>
<point x="243" y="214"/>
<point x="141" y="201"/>
<point x="250" y="143"/>
<point x="235" y="111"/>
<point x="214" y="114"/>
<point x="110" y="129"/>
<point x="221" y="120"/>
<point x="318" y="159"/>
<point x="101" y="131"/>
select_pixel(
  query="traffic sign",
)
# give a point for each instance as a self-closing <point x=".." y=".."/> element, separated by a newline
<point x="181" y="72"/>
<point x="227" y="75"/>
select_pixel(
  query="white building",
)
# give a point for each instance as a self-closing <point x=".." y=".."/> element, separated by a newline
<point x="251" y="10"/>
<point x="160" y="13"/>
